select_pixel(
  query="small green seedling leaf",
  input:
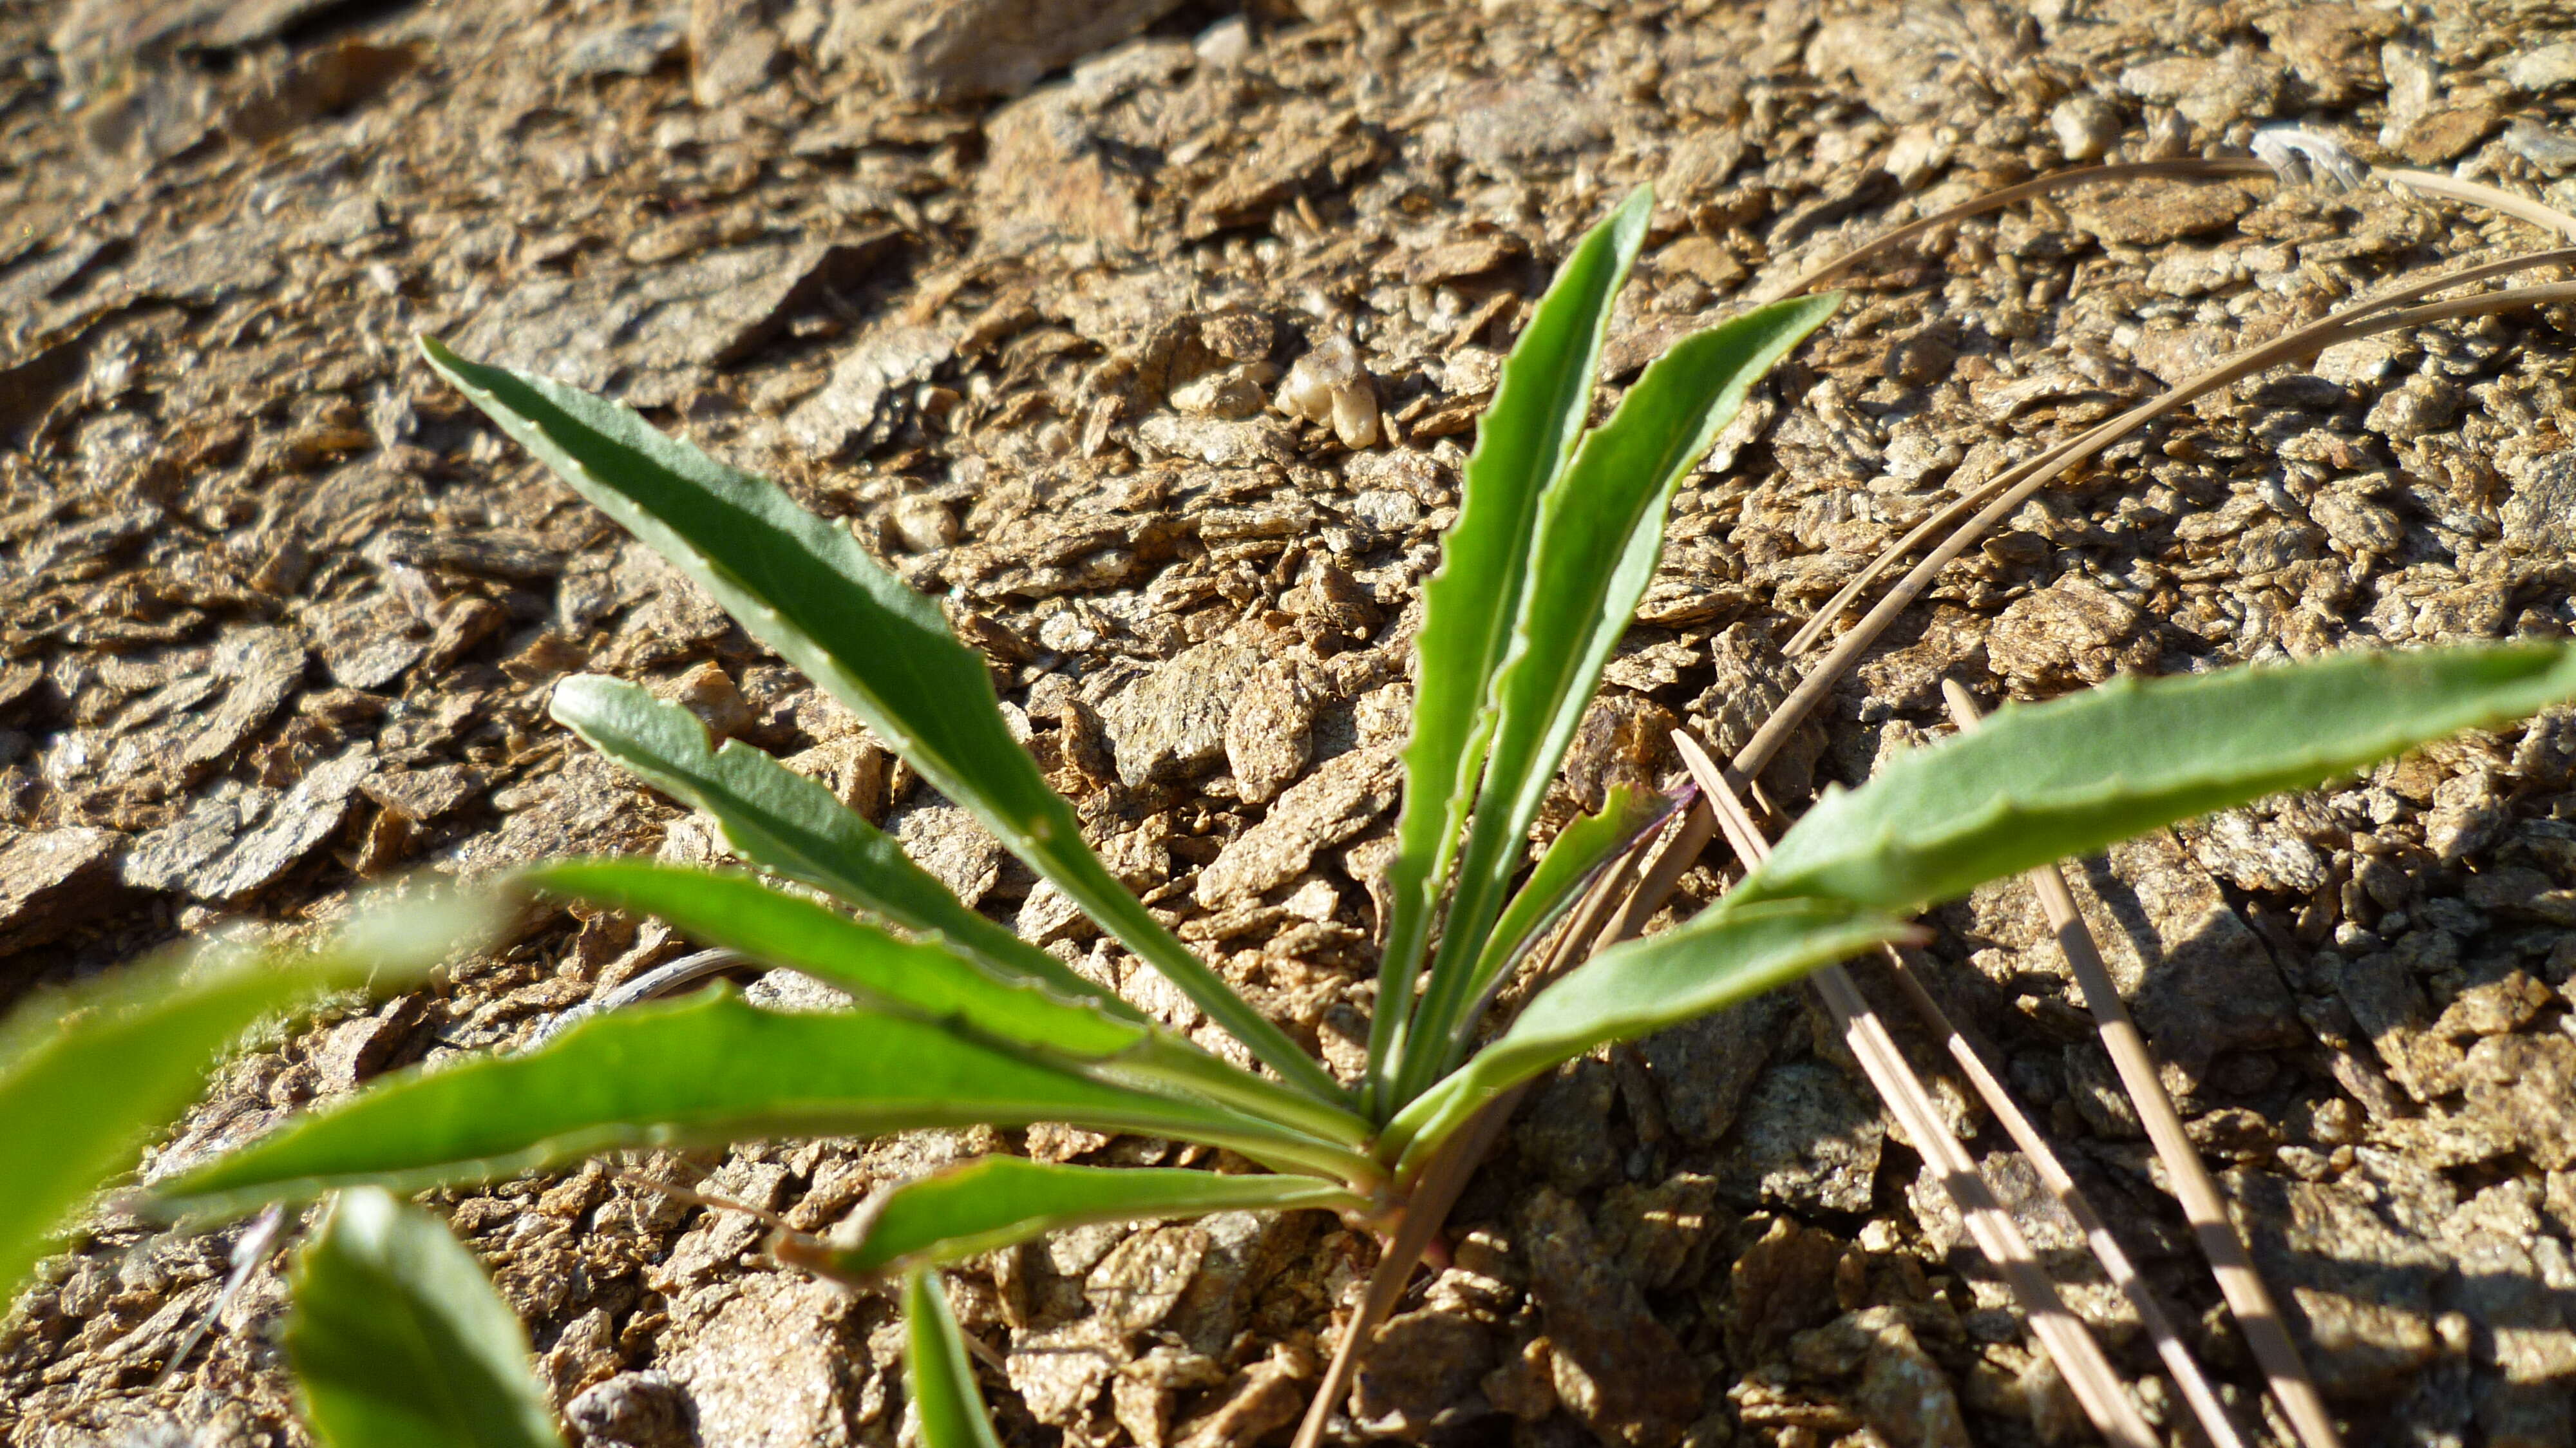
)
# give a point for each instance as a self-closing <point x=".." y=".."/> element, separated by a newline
<point x="737" y="911"/>
<point x="2052" y="781"/>
<point x="1522" y="442"/>
<point x="1573" y="858"/>
<point x="706" y="1071"/>
<point x="397" y="1339"/>
<point x="88" y="1073"/>
<point x="1599" y="536"/>
<point x="1728" y="953"/>
<point x="803" y="586"/>
<point x="119" y="1062"/>
<point x="775" y="817"/>
<point x="998" y="1201"/>
<point x="938" y="1372"/>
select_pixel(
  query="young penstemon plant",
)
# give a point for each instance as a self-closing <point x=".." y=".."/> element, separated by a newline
<point x="958" y="1022"/>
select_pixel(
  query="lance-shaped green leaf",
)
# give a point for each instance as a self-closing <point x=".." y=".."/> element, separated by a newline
<point x="397" y="1339"/>
<point x="739" y="912"/>
<point x="1572" y="860"/>
<point x="997" y="1201"/>
<point x="118" y="1062"/>
<point x="775" y="817"/>
<point x="1522" y="442"/>
<point x="1599" y="536"/>
<point x="86" y="1074"/>
<point x="938" y="1372"/>
<point x="736" y="910"/>
<point x="803" y="586"/>
<point x="706" y="1071"/>
<point x="2046" y="782"/>
<point x="1729" y="953"/>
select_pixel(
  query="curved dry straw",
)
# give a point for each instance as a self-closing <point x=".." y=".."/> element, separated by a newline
<point x="2243" y="1287"/>
<point x="1988" y="505"/>
<point x="2385" y="312"/>
<point x="2070" y="1344"/>
<point x="1984" y="507"/>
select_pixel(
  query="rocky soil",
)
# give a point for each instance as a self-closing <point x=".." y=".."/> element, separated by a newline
<point x="1011" y="286"/>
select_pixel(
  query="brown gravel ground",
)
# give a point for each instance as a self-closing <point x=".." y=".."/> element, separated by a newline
<point x="276" y="614"/>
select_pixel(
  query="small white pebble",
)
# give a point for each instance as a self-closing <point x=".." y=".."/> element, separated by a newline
<point x="1328" y="386"/>
<point x="2086" y="125"/>
<point x="1228" y="42"/>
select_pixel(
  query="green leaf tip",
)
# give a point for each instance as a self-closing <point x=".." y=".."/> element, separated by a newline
<point x="939" y="1372"/>
<point x="1523" y="441"/>
<point x="738" y="911"/>
<point x="2052" y="781"/>
<point x="1596" y="543"/>
<point x="397" y="1339"/>
<point x="776" y="818"/>
<point x="802" y="585"/>
<point x="89" y="1072"/>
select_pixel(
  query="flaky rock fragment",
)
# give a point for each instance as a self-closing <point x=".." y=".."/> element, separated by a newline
<point x="2072" y="632"/>
<point x="2199" y="978"/>
<point x="53" y="882"/>
<point x="187" y="728"/>
<point x="770" y="1361"/>
<point x="1525" y="1385"/>
<point x="1752" y="680"/>
<point x="1902" y="1391"/>
<point x="1618" y="1370"/>
<point x="1260" y="1400"/>
<point x="1422" y="1374"/>
<point x="1171" y="723"/>
<point x="632" y="1410"/>
<point x="709" y="693"/>
<point x="1809" y="1139"/>
<point x="1329" y="387"/>
<point x="1231" y="393"/>
<point x="1623" y="740"/>
<point x="1892" y="59"/>
<point x="867" y="385"/>
<point x="1703" y="1068"/>
<point x="2085" y="125"/>
<point x="589" y="806"/>
<point x="100" y="35"/>
<point x="1270" y="732"/>
<point x="356" y="1049"/>
<point x="2361" y="1289"/>
<point x="950" y="844"/>
<point x="2543" y="68"/>
<point x="623" y="49"/>
<point x="1129" y="1288"/>
<point x="1245" y="1253"/>
<point x="2522" y="1086"/>
<point x="646" y="335"/>
<point x="2145" y="215"/>
<point x="1559" y="1132"/>
<point x="1782" y="1284"/>
<point x="960" y="49"/>
<point x="1142" y="1394"/>
<point x="2540" y="515"/>
<point x="233" y="842"/>
<point x="1327" y="807"/>
<point x="1653" y="1231"/>
<point x="2252" y="853"/>
<point x="854" y="767"/>
<point x="734" y="49"/>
